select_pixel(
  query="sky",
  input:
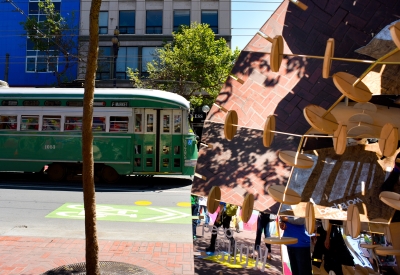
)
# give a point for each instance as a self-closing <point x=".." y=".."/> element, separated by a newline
<point x="248" y="16"/>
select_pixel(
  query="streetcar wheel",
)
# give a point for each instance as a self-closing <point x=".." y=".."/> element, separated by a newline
<point x="56" y="172"/>
<point x="109" y="175"/>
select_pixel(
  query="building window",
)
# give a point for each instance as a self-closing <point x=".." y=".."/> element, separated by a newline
<point x="40" y="61"/>
<point x="103" y="22"/>
<point x="127" y="57"/>
<point x="210" y="18"/>
<point x="35" y="12"/>
<point x="127" y="22"/>
<point x="154" y="22"/>
<point x="104" y="63"/>
<point x="181" y="17"/>
<point x="148" y="55"/>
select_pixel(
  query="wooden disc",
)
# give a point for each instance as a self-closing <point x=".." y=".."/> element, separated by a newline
<point x="277" y="192"/>
<point x="353" y="221"/>
<point x="310" y="217"/>
<point x="282" y="240"/>
<point x="230" y="127"/>
<point x="213" y="199"/>
<point x="386" y="251"/>
<point x="269" y="126"/>
<point x="369" y="246"/>
<point x="360" y="131"/>
<point x="296" y="159"/>
<point x="344" y="82"/>
<point x="247" y="207"/>
<point x="317" y="117"/>
<point x="276" y="53"/>
<point x="329" y="50"/>
<point x="395" y="33"/>
<point x="366" y="106"/>
<point x="340" y="139"/>
<point x="390" y="198"/>
<point x="361" y="118"/>
<point x="388" y="140"/>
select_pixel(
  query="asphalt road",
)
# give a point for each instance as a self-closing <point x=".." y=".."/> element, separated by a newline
<point x="156" y="209"/>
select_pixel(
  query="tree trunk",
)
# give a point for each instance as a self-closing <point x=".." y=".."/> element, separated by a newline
<point x="89" y="195"/>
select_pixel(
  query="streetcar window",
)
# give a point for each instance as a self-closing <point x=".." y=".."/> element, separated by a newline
<point x="99" y="124"/>
<point x="165" y="149"/>
<point x="177" y="162"/>
<point x="149" y="162"/>
<point x="29" y="123"/>
<point x="138" y="149"/>
<point x="149" y="149"/>
<point x="138" y="123"/>
<point x="119" y="124"/>
<point x="150" y="123"/>
<point x="8" y="122"/>
<point x="165" y="162"/>
<point x="177" y="150"/>
<point x="51" y="123"/>
<point x="73" y="123"/>
<point x="166" y="123"/>
<point x="137" y="162"/>
<point x="177" y="123"/>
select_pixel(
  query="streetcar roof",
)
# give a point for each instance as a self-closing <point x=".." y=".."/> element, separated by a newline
<point x="130" y="94"/>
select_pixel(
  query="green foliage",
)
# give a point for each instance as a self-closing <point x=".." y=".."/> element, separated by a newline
<point x="194" y="65"/>
<point x="54" y="36"/>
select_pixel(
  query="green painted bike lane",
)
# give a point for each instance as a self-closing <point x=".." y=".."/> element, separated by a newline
<point x="126" y="213"/>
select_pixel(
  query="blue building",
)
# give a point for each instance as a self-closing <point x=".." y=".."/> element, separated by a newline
<point x="20" y="64"/>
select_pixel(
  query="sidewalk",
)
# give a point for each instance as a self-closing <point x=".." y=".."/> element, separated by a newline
<point x="206" y="267"/>
<point x="34" y="256"/>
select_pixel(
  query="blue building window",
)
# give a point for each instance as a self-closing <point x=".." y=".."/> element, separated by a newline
<point x="211" y="18"/>
<point x="154" y="21"/>
<point x="127" y="22"/>
<point x="36" y="12"/>
<point x="103" y="22"/>
<point x="181" y="17"/>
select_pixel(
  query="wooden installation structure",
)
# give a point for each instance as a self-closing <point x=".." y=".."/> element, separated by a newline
<point x="303" y="126"/>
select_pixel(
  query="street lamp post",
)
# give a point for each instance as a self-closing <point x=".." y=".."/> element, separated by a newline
<point x="115" y="42"/>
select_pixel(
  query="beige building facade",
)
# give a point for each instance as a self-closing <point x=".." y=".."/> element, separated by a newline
<point x="144" y="26"/>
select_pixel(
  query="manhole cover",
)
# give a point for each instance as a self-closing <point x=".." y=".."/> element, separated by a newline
<point x="106" y="268"/>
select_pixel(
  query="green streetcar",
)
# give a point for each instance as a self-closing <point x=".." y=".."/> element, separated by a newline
<point x="136" y="131"/>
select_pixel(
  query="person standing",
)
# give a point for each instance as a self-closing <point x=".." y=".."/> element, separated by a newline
<point x="195" y="212"/>
<point x="224" y="218"/>
<point x="263" y="220"/>
<point x="203" y="208"/>
<point x="299" y="253"/>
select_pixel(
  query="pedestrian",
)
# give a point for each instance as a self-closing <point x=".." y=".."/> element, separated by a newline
<point x="224" y="218"/>
<point x="299" y="253"/>
<point x="195" y="212"/>
<point x="263" y="220"/>
<point x="203" y="208"/>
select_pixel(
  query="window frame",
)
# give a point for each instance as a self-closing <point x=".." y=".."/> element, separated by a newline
<point x="124" y="29"/>
<point x="154" y="26"/>
<point x="212" y="26"/>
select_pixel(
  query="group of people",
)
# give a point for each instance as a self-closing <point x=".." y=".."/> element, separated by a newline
<point x="328" y="243"/>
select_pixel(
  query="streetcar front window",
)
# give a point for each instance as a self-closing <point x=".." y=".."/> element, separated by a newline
<point x="51" y="123"/>
<point x="29" y="123"/>
<point x="166" y="123"/>
<point x="177" y="123"/>
<point x="8" y="122"/>
<point x="138" y="123"/>
<point x="119" y="124"/>
<point x="73" y="123"/>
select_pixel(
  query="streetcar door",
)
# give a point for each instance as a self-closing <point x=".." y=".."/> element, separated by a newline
<point x="170" y="141"/>
<point x="149" y="161"/>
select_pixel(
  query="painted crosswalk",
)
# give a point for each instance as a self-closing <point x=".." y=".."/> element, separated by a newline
<point x="126" y="213"/>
